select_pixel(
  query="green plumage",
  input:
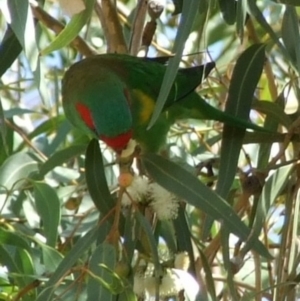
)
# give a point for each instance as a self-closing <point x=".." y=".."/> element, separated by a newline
<point x="113" y="95"/>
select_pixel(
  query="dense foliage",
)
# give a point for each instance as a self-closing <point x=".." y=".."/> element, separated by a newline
<point x="212" y="217"/>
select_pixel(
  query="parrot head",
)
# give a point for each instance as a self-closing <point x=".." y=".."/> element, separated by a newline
<point x="100" y="104"/>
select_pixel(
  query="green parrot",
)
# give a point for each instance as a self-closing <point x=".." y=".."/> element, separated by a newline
<point x="113" y="97"/>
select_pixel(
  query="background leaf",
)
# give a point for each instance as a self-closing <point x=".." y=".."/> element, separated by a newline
<point x="48" y="207"/>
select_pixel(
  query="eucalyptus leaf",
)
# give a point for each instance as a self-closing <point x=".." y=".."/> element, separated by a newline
<point x="102" y="265"/>
<point x="228" y="10"/>
<point x="82" y="245"/>
<point x="10" y="48"/>
<point x="189" y="12"/>
<point x="69" y="33"/>
<point x="61" y="157"/>
<point x="19" y="16"/>
<point x="48" y="207"/>
<point x="95" y="178"/>
<point x="245" y="77"/>
<point x="188" y="187"/>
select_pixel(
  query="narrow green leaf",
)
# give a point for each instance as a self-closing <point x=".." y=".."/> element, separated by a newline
<point x="226" y="258"/>
<point x="17" y="111"/>
<point x="144" y="223"/>
<point x="273" y="187"/>
<point x="165" y="230"/>
<point x="290" y="34"/>
<point x="48" y="207"/>
<point x="17" y="167"/>
<point x="61" y="157"/>
<point x="19" y="15"/>
<point x="13" y="239"/>
<point x="81" y="246"/>
<point x="183" y="236"/>
<point x="7" y="260"/>
<point x="188" y="187"/>
<point x="189" y="12"/>
<point x="275" y="115"/>
<point x="3" y="130"/>
<point x="254" y="11"/>
<point x="273" y="111"/>
<point x="228" y="10"/>
<point x="10" y="48"/>
<point x="209" y="277"/>
<point x="245" y="77"/>
<point x="51" y="257"/>
<point x="60" y="137"/>
<point x="8" y="143"/>
<point x="25" y="266"/>
<point x="178" y="6"/>
<point x="46" y="127"/>
<point x="98" y="288"/>
<point x="95" y="178"/>
<point x="69" y="33"/>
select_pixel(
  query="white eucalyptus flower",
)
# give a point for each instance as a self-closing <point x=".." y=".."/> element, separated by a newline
<point x="164" y="203"/>
<point x="170" y="285"/>
<point x="182" y="261"/>
<point x="137" y="191"/>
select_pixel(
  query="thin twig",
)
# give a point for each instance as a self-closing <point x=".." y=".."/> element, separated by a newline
<point x="107" y="14"/>
<point x="138" y="27"/>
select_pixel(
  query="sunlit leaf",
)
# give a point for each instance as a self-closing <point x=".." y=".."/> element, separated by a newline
<point x="19" y="16"/>
<point x="73" y="28"/>
<point x="15" y="170"/>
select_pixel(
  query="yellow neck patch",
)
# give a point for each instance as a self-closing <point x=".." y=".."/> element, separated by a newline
<point x="147" y="105"/>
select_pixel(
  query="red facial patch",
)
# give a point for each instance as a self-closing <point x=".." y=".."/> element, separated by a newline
<point x="117" y="143"/>
<point x="85" y="114"/>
